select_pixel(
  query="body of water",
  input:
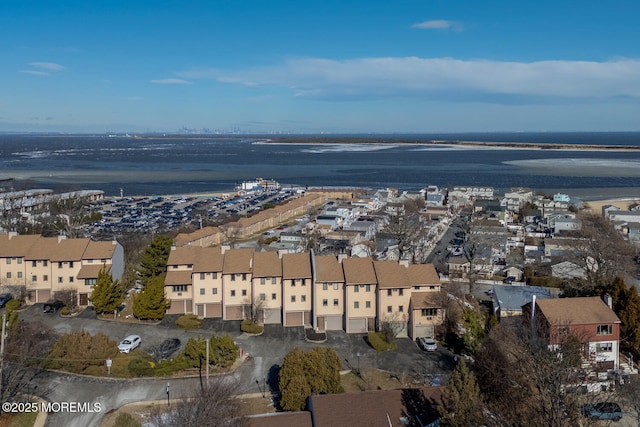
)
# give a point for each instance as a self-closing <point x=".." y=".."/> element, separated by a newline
<point x="182" y="165"/>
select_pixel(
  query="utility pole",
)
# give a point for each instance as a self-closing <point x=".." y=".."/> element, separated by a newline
<point x="4" y="326"/>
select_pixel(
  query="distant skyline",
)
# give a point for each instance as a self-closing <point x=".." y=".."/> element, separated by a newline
<point x="319" y="66"/>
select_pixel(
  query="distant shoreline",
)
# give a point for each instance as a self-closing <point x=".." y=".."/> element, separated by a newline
<point x="465" y="144"/>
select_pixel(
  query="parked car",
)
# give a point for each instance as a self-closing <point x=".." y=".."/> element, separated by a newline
<point x="52" y="306"/>
<point x="427" y="344"/>
<point x="168" y="347"/>
<point x="602" y="411"/>
<point x="129" y="344"/>
<point x="509" y="280"/>
<point x="4" y="299"/>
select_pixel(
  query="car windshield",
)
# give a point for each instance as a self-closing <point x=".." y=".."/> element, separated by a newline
<point x="126" y="342"/>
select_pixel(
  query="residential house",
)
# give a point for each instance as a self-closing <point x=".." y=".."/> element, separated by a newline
<point x="207" y="282"/>
<point x="508" y="300"/>
<point x="178" y="282"/>
<point x="360" y="295"/>
<point x="297" y="287"/>
<point x="267" y="286"/>
<point x="427" y="312"/>
<point x="329" y="288"/>
<point x="237" y="267"/>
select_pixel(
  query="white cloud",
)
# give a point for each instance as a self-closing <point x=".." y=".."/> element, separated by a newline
<point x="51" y="66"/>
<point x="170" y="82"/>
<point x="438" y="24"/>
<point x="35" y="73"/>
<point x="425" y="77"/>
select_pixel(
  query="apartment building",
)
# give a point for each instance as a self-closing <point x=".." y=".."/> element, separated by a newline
<point x="43" y="266"/>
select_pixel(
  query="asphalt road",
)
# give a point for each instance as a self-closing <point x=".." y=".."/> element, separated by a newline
<point x="267" y="352"/>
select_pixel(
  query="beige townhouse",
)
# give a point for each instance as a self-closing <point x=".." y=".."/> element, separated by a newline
<point x="427" y="312"/>
<point x="296" y="289"/>
<point x="14" y="251"/>
<point x="207" y="282"/>
<point x="328" y="298"/>
<point x="178" y="281"/>
<point x="267" y="287"/>
<point x="237" y="270"/>
<point x="66" y="261"/>
<point x="360" y="295"/>
<point x="98" y="255"/>
<point x="394" y="293"/>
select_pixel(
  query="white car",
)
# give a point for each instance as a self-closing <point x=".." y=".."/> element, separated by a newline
<point x="130" y="343"/>
<point x="427" y="344"/>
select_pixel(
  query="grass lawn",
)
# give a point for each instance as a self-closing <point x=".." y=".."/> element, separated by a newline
<point x="370" y="380"/>
<point x="18" y="420"/>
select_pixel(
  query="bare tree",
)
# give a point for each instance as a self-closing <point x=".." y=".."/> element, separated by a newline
<point x="406" y="225"/>
<point x="392" y="324"/>
<point x="256" y="309"/>
<point x="215" y="406"/>
<point x="69" y="297"/>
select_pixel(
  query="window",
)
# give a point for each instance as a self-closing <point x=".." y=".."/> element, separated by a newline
<point x="335" y="286"/>
<point x="233" y="293"/>
<point x="45" y="263"/>
<point x="8" y="260"/>
<point x="59" y="279"/>
<point x="90" y="282"/>
<point x="89" y="261"/>
<point x="19" y="274"/>
<point x="304" y="282"/>
<point x="244" y="276"/>
<point x="214" y="291"/>
<point x="303" y="298"/>
<point x="274" y="296"/>
<point x="367" y="288"/>
<point x="325" y="286"/>
<point x="263" y="280"/>
<point x="293" y="283"/>
<point x="429" y="311"/>
<point x="8" y="275"/>
<point x="70" y="264"/>
<point x="401" y="308"/>
<point x="335" y="302"/>
<point x="201" y="291"/>
<point x="417" y="288"/>
<point x="189" y="265"/>
<point x="367" y="304"/>
<point x="45" y="278"/>
<point x="34" y="263"/>
<point x="400" y="292"/>
<point x="201" y="276"/>
<point x="215" y="274"/>
<point x="59" y="265"/>
<point x="325" y="302"/>
<point x="389" y="309"/>
<point x="604" y="329"/>
<point x="179" y="288"/>
<point x="356" y="304"/>
<point x="356" y="288"/>
<point x="103" y="261"/>
<point x="244" y="292"/>
<point x="564" y="330"/>
<point x="604" y="347"/>
<point x="34" y="278"/>
<point x="388" y="292"/>
<point x="233" y="277"/>
<point x="70" y="279"/>
<point x="293" y="298"/>
<point x="19" y="260"/>
<point x="263" y="297"/>
<point x="273" y="280"/>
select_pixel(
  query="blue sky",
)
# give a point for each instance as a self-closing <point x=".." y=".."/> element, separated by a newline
<point x="319" y="66"/>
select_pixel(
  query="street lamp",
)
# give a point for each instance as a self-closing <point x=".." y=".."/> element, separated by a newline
<point x="168" y="386"/>
<point x="358" y="356"/>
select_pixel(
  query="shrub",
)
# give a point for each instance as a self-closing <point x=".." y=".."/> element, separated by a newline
<point x="78" y="350"/>
<point x="141" y="368"/>
<point x="189" y="321"/>
<point x="251" y="327"/>
<point x="125" y="419"/>
<point x="65" y="311"/>
<point x="377" y="341"/>
<point x="171" y="366"/>
<point x="13" y="304"/>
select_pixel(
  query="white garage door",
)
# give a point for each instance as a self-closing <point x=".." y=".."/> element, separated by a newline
<point x="333" y="323"/>
<point x="357" y="326"/>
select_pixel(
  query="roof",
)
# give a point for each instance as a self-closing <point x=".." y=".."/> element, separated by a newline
<point x="279" y="419"/>
<point x="512" y="298"/>
<point x="296" y="266"/>
<point x="359" y="271"/>
<point x="69" y="250"/>
<point x="181" y="277"/>
<point x="44" y="249"/>
<point x="182" y="255"/>
<point x="183" y="239"/>
<point x="267" y="264"/>
<point x="426" y="300"/>
<point x="423" y="274"/>
<point x="208" y="260"/>
<point x="583" y="310"/>
<point x="238" y="261"/>
<point x="391" y="274"/>
<point x="91" y="271"/>
<point x="384" y="408"/>
<point x="99" y="250"/>
<point x="328" y="269"/>
<point x="17" y="246"/>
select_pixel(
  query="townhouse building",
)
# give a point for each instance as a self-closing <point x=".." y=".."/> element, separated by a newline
<point x="42" y="266"/>
<point x="302" y="289"/>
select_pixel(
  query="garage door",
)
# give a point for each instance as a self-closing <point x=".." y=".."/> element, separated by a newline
<point x="424" y="331"/>
<point x="179" y="306"/>
<point x="272" y="316"/>
<point x="293" y="319"/>
<point x="357" y="326"/>
<point x="333" y="323"/>
<point x="200" y="310"/>
<point x="214" y="309"/>
<point x="43" y="295"/>
<point x="234" y="312"/>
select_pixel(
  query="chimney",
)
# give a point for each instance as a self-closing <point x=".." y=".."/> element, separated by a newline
<point x="404" y="262"/>
<point x="224" y="248"/>
<point x="608" y="300"/>
<point x="341" y="257"/>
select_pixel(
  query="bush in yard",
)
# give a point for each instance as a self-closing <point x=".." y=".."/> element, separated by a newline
<point x="125" y="419"/>
<point x="377" y="341"/>
<point x="78" y="350"/>
<point x="141" y="368"/>
<point x="251" y="327"/>
<point x="189" y="321"/>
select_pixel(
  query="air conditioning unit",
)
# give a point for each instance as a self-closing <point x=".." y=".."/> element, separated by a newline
<point x="179" y="294"/>
<point x="429" y="317"/>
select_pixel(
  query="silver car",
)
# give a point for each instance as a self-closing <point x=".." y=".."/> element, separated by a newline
<point x="130" y="343"/>
<point x="427" y="344"/>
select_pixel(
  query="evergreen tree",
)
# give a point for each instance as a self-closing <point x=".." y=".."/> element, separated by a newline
<point x="107" y="294"/>
<point x="462" y="403"/>
<point x="153" y="261"/>
<point x="626" y="304"/>
<point x="151" y="302"/>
